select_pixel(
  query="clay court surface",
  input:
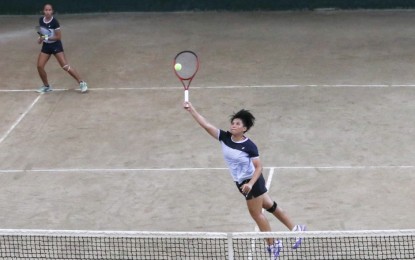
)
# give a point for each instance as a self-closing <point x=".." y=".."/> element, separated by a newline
<point x="333" y="93"/>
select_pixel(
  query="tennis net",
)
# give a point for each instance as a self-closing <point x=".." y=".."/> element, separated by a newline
<point x="58" y="244"/>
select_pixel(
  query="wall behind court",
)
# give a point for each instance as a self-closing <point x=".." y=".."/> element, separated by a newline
<point x="87" y="6"/>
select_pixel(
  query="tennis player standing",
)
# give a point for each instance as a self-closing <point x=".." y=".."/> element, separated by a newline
<point x="242" y="158"/>
<point x="53" y="45"/>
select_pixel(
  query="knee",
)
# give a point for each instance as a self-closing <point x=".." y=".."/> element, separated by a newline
<point x="272" y="208"/>
<point x="256" y="214"/>
<point x="66" y="67"/>
<point x="258" y="217"/>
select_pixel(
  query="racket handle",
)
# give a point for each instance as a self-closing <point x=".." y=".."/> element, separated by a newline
<point x="186" y="95"/>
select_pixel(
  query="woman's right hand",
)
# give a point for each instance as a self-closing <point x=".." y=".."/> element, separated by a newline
<point x="39" y="40"/>
<point x="187" y="105"/>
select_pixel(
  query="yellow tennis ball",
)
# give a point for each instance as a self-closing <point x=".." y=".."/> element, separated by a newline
<point x="178" y="67"/>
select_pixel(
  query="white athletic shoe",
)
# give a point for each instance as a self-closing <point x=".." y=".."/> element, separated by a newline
<point x="298" y="240"/>
<point x="275" y="249"/>
<point x="44" y="89"/>
<point x="83" y="86"/>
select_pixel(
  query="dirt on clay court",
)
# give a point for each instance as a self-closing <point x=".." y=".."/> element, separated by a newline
<point x="333" y="93"/>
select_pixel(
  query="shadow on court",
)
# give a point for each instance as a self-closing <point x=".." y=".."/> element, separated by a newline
<point x="126" y="156"/>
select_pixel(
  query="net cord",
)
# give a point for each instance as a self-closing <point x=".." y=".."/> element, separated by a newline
<point x="221" y="235"/>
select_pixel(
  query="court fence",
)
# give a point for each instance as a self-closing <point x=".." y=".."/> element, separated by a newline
<point x="94" y="6"/>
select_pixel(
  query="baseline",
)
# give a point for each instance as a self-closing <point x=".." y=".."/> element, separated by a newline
<point x="235" y="87"/>
<point x="350" y="167"/>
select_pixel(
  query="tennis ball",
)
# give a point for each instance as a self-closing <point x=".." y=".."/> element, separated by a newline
<point x="178" y="66"/>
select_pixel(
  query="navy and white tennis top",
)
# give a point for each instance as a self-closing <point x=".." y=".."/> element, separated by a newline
<point x="52" y="25"/>
<point x="238" y="156"/>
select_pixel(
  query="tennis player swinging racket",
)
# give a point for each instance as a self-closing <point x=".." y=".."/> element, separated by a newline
<point x="242" y="158"/>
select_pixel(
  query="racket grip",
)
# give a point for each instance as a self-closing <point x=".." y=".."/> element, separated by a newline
<point x="186" y="95"/>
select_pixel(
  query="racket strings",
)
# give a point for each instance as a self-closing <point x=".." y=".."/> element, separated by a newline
<point x="189" y="65"/>
<point x="43" y="31"/>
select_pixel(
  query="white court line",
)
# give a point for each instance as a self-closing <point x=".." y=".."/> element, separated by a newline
<point x="19" y="119"/>
<point x="312" y="85"/>
<point x="269" y="179"/>
<point x="234" y="87"/>
<point x="30" y="90"/>
<point x="106" y="170"/>
<point x="252" y="86"/>
<point x="102" y="170"/>
<point x="349" y="167"/>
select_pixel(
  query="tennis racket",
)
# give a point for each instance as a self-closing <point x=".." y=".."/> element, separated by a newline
<point x="186" y="64"/>
<point x="43" y="32"/>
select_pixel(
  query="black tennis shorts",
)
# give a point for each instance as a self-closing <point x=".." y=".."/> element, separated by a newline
<point x="258" y="189"/>
<point x="52" y="48"/>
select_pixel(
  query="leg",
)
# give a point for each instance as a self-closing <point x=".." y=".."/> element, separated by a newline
<point x="271" y="207"/>
<point x="255" y="209"/>
<point x="41" y="63"/>
<point x="278" y="212"/>
<point x="64" y="64"/>
<point x="60" y="56"/>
